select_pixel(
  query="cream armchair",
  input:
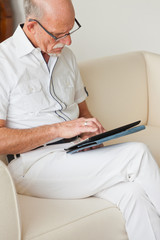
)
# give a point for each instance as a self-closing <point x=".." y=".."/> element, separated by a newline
<point x="122" y="89"/>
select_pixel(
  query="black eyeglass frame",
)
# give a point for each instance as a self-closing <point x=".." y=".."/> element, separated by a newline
<point x="57" y="39"/>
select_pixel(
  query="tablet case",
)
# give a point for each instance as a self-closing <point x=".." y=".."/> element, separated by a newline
<point x="104" y="137"/>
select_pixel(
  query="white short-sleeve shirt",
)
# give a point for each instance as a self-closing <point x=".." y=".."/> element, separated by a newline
<point x="33" y="93"/>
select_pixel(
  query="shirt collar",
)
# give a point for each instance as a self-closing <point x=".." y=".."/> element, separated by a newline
<point x="21" y="42"/>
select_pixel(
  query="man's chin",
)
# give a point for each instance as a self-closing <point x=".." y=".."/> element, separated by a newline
<point x="55" y="53"/>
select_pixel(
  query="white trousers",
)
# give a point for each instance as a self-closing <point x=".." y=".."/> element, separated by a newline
<point x="125" y="174"/>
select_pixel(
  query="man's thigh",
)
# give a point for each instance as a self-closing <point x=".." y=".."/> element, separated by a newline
<point x="66" y="176"/>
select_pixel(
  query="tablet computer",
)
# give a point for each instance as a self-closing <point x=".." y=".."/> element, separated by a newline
<point x="106" y="136"/>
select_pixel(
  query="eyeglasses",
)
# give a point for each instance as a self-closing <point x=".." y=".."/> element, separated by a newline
<point x="57" y="39"/>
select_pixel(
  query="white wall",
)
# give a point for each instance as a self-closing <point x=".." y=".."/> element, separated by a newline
<point x="18" y="11"/>
<point x="112" y="26"/>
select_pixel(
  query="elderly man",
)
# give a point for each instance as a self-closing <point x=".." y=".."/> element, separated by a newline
<point x="43" y="110"/>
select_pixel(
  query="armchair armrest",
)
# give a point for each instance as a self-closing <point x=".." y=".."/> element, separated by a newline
<point x="10" y="227"/>
<point x="153" y="74"/>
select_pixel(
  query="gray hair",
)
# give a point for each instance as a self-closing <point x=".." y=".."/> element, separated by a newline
<point x="31" y="8"/>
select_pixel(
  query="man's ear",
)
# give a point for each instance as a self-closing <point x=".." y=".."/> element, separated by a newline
<point x="31" y="27"/>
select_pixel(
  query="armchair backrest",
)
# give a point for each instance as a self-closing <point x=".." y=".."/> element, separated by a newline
<point x="117" y="86"/>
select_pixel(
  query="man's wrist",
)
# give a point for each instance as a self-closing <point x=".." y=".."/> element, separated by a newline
<point x="55" y="130"/>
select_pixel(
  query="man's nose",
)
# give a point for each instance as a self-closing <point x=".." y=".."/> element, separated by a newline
<point x="67" y="40"/>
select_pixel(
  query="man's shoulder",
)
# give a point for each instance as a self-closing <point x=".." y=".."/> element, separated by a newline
<point x="10" y="47"/>
<point x="8" y="62"/>
<point x="7" y="48"/>
<point x="5" y="43"/>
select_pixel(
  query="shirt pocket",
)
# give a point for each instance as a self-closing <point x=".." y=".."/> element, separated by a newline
<point x="30" y="97"/>
<point x="65" y="89"/>
<point x="27" y="89"/>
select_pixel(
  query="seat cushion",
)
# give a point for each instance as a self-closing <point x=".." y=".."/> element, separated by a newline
<point x="85" y="219"/>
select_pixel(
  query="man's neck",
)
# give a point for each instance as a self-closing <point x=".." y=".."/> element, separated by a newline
<point x="46" y="57"/>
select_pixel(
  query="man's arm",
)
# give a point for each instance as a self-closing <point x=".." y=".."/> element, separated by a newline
<point x="15" y="141"/>
<point x="84" y="111"/>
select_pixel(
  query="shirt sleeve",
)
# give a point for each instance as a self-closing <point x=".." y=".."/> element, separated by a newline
<point x="4" y="95"/>
<point x="80" y="93"/>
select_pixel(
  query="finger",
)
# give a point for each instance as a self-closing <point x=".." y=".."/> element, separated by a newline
<point x="98" y="146"/>
<point x="89" y="129"/>
<point x="88" y="126"/>
<point x="90" y="121"/>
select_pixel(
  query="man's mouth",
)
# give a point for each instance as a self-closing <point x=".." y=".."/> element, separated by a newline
<point x="59" y="46"/>
<point x="56" y="50"/>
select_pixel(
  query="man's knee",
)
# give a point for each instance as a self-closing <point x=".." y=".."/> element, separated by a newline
<point x="135" y="195"/>
<point x="138" y="149"/>
<point x="139" y="146"/>
<point x="135" y="190"/>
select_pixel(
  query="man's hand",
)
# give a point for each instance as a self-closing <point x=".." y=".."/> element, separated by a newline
<point x="81" y="126"/>
<point x="88" y="135"/>
<point x="84" y="112"/>
<point x="85" y="127"/>
<point x="100" y="129"/>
